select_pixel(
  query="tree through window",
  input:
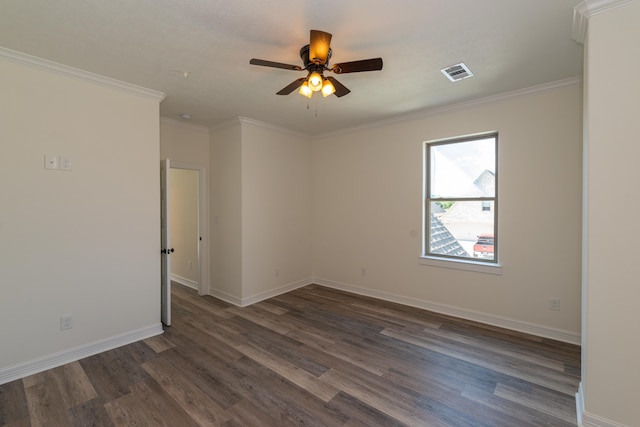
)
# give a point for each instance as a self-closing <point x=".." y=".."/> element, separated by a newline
<point x="461" y="198"/>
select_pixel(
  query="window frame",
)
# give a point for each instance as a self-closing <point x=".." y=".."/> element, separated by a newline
<point x="451" y="261"/>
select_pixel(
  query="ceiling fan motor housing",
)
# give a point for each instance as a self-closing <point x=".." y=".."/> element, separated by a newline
<point x="308" y="64"/>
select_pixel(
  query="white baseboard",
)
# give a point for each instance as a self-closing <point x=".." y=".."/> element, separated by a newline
<point x="226" y="297"/>
<point x="184" y="281"/>
<point x="275" y="292"/>
<point x="590" y="420"/>
<point x="71" y="355"/>
<point x="243" y="302"/>
<point x="585" y="419"/>
<point x="489" y="319"/>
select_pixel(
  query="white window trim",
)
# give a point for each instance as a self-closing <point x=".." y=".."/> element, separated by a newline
<point x="458" y="264"/>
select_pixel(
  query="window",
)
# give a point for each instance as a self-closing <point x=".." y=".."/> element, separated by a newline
<point x="460" y="215"/>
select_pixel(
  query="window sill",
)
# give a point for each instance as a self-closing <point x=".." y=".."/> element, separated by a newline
<point x="478" y="267"/>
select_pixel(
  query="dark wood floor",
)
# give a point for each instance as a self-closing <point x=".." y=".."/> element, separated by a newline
<point x="313" y="357"/>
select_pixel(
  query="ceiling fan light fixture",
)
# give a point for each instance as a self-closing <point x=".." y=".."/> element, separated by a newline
<point x="315" y="81"/>
<point x="327" y="88"/>
<point x="315" y="59"/>
<point x="305" y="90"/>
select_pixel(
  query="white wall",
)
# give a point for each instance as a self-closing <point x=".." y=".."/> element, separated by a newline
<point x="276" y="209"/>
<point x="367" y="211"/>
<point x="226" y="212"/>
<point x="83" y="242"/>
<point x="611" y="376"/>
<point x="184" y="142"/>
<point x="184" y="226"/>
<point x="261" y="211"/>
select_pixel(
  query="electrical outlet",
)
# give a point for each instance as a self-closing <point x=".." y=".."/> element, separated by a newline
<point x="277" y="272"/>
<point x="190" y="264"/>
<point x="554" y="304"/>
<point x="363" y="271"/>
<point x="65" y="163"/>
<point x="66" y="322"/>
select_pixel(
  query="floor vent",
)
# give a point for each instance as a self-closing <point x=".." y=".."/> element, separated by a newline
<point x="457" y="72"/>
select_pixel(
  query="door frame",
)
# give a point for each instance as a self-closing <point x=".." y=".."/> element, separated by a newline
<point x="203" y="220"/>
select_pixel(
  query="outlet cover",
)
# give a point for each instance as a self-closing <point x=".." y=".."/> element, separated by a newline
<point x="65" y="163"/>
<point x="66" y="322"/>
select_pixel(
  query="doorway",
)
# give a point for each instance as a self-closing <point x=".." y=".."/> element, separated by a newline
<point x="185" y="230"/>
<point x="187" y="218"/>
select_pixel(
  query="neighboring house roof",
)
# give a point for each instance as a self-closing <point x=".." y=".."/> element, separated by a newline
<point x="442" y="241"/>
<point x="437" y="209"/>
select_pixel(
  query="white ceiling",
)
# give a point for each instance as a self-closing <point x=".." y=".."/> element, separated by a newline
<point x="507" y="44"/>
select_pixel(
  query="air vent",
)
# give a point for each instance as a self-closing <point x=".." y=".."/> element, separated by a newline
<point x="457" y="72"/>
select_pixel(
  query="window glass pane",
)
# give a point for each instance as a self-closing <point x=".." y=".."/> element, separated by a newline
<point x="462" y="229"/>
<point x="463" y="169"/>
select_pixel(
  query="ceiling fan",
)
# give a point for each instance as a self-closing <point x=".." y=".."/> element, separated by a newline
<point x="315" y="59"/>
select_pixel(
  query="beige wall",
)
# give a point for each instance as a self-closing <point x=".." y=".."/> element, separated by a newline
<point x="367" y="211"/>
<point x="261" y="211"/>
<point x="83" y="242"/>
<point x="611" y="377"/>
<point x="276" y="209"/>
<point x="226" y="212"/>
<point x="184" y="226"/>
<point x="183" y="142"/>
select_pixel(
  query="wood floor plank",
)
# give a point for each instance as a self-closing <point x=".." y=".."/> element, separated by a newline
<point x="74" y="385"/>
<point x="543" y="400"/>
<point x="13" y="403"/>
<point x="46" y="405"/>
<point x="291" y="372"/>
<point x="186" y="393"/>
<point x="291" y="404"/>
<point x="314" y="356"/>
<point x="147" y="405"/>
<point x="281" y="346"/>
<point x="525" y="416"/>
<point x="159" y="343"/>
<point x="208" y="375"/>
<point x="361" y="414"/>
<point x="248" y="413"/>
<point x="261" y="318"/>
<point x="90" y="414"/>
<point x="401" y="408"/>
<point x="113" y="372"/>
<point x="513" y="367"/>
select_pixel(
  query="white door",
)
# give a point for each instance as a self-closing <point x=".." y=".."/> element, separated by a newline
<point x="166" y="249"/>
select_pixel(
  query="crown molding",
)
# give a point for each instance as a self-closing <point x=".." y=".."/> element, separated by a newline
<point x="190" y="126"/>
<point x="435" y="111"/>
<point x="257" y="123"/>
<point x="589" y="8"/>
<point x="247" y="121"/>
<point x="35" y="62"/>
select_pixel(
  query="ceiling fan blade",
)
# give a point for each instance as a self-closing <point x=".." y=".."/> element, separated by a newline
<point x="272" y="64"/>
<point x="373" y="64"/>
<point x="292" y="86"/>
<point x="319" y="46"/>
<point x="341" y="90"/>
